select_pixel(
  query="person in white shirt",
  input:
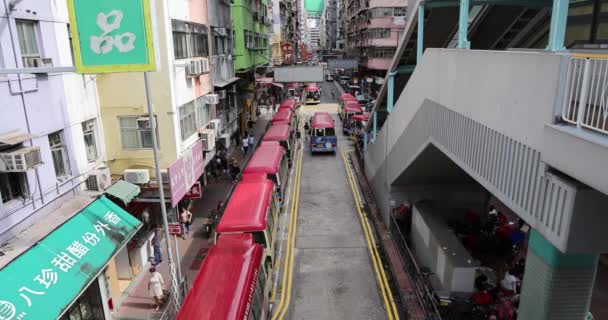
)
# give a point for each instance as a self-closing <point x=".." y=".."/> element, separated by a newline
<point x="509" y="282"/>
<point x="245" y="144"/>
<point x="156" y="284"/>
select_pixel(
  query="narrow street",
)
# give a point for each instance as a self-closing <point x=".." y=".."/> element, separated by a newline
<point x="333" y="275"/>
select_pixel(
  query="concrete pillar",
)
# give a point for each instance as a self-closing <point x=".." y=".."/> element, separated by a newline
<point x="556" y="286"/>
<point x="557" y="33"/>
<point x="463" y="25"/>
<point x="420" y="41"/>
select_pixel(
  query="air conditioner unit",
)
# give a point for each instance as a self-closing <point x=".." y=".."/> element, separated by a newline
<point x="192" y="69"/>
<point x="99" y="181"/>
<point x="215" y="125"/>
<point x="36" y="62"/>
<point x="20" y="159"/>
<point x="144" y="123"/>
<point x="208" y="137"/>
<point x="137" y="176"/>
<point x="204" y="65"/>
<point x="211" y="98"/>
<point x="222" y="94"/>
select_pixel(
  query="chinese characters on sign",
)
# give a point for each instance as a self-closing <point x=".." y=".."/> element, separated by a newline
<point x="196" y="192"/>
<point x="175" y="229"/>
<point x="185" y="171"/>
<point x="104" y="43"/>
<point x="287" y="49"/>
<point x="112" y="35"/>
<point x="40" y="283"/>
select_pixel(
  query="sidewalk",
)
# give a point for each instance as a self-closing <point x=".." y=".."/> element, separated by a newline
<point x="137" y="300"/>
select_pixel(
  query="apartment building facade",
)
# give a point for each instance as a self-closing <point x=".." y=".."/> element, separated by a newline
<point x="222" y="66"/>
<point x="373" y="31"/>
<point x="53" y="170"/>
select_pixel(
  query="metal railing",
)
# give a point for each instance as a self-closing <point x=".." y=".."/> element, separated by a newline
<point x="424" y="296"/>
<point x="585" y="101"/>
<point x="170" y="311"/>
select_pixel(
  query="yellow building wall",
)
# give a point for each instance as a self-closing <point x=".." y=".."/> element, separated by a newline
<point x="123" y="94"/>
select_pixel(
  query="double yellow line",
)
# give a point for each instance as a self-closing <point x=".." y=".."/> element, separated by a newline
<point x="281" y="310"/>
<point x="387" y="295"/>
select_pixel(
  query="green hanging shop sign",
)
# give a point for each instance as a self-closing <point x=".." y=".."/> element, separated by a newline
<point x="41" y="283"/>
<point x="112" y="35"/>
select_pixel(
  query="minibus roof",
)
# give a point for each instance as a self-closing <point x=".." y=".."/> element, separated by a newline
<point x="247" y="207"/>
<point x="266" y="159"/>
<point x="225" y="280"/>
<point x="322" y="121"/>
<point x="277" y="132"/>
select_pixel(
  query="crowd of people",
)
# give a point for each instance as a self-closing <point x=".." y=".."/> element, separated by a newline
<point x="497" y="243"/>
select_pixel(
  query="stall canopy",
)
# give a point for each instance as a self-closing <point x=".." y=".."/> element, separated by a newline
<point x="123" y="191"/>
<point x="42" y="282"/>
<point x="268" y="81"/>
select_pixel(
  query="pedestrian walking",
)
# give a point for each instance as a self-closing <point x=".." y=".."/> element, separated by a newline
<point x="186" y="220"/>
<point x="156" y="240"/>
<point x="251" y="142"/>
<point x="245" y="144"/>
<point x="234" y="171"/>
<point x="306" y="130"/>
<point x="156" y="284"/>
<point x="224" y="162"/>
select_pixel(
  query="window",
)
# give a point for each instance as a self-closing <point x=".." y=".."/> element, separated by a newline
<point x="135" y="132"/>
<point x="199" y="45"/>
<point x="88" y="131"/>
<point x="12" y="186"/>
<point x="26" y="31"/>
<point x="187" y="120"/>
<point x="59" y="154"/>
<point x="385" y="12"/>
<point x="180" y="45"/>
<point x="88" y="306"/>
<point x="189" y="40"/>
<point x="377" y="33"/>
<point x="381" y="52"/>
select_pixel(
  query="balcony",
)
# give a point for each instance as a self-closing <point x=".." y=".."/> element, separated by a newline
<point x="376" y="63"/>
<point x="223" y="70"/>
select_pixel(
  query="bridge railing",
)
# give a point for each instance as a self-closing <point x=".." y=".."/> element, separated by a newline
<point x="585" y="101"/>
<point x="425" y="298"/>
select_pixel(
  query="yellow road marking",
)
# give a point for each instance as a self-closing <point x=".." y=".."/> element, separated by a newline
<point x="387" y="295"/>
<point x="591" y="55"/>
<point x="279" y="313"/>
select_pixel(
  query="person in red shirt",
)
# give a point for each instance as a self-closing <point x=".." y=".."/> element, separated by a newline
<point x="482" y="298"/>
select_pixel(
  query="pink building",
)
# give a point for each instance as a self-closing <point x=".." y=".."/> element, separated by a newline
<point x="374" y="28"/>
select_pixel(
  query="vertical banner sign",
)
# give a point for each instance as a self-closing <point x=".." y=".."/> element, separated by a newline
<point x="185" y="171"/>
<point x="112" y="35"/>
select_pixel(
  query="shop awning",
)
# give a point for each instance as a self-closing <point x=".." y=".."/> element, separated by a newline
<point x="221" y="84"/>
<point x="43" y="281"/>
<point x="14" y="137"/>
<point x="124" y="191"/>
<point x="264" y="80"/>
<point x="280" y="85"/>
